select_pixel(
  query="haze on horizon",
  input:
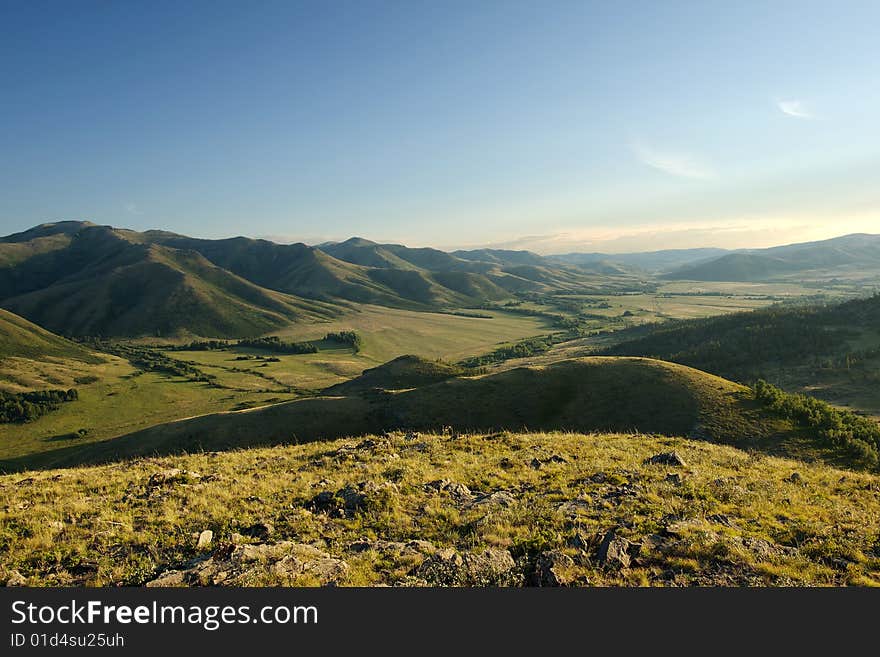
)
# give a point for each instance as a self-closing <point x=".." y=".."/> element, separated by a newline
<point x="553" y="127"/>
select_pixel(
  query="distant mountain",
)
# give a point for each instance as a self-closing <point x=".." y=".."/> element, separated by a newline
<point x="650" y="261"/>
<point x="22" y="339"/>
<point x="100" y="281"/>
<point x="850" y="255"/>
<point x="78" y="278"/>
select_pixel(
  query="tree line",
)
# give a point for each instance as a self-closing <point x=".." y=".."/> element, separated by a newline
<point x="858" y="436"/>
<point x="28" y="406"/>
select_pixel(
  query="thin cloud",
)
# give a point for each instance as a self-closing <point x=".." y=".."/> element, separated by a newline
<point x="794" y="108"/>
<point x="682" y="165"/>
<point x="132" y="208"/>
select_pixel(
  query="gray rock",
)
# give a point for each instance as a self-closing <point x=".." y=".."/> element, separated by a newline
<point x="552" y="568"/>
<point x="260" y="531"/>
<point x="16" y="579"/>
<point x="500" y="498"/>
<point x="491" y="567"/>
<point x="614" y="551"/>
<point x="205" y="539"/>
<point x="795" y="478"/>
<point x="172" y="476"/>
<point x="239" y="565"/>
<point x="666" y="458"/>
<point x="448" y="567"/>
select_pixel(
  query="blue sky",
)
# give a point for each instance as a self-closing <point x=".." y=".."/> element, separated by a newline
<point x="554" y="126"/>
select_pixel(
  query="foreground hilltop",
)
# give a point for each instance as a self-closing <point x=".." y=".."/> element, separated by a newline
<point x="584" y="394"/>
<point x="481" y="509"/>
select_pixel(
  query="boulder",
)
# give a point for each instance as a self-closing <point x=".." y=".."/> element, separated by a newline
<point x="552" y="568"/>
<point x="614" y="551"/>
<point x="666" y="458"/>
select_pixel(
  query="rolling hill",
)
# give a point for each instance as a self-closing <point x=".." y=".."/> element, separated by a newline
<point x="589" y="394"/>
<point x="828" y="351"/>
<point x="101" y="283"/>
<point x="856" y="255"/>
<point x="20" y="338"/>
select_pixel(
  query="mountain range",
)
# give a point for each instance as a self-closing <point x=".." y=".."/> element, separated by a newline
<point x="82" y="279"/>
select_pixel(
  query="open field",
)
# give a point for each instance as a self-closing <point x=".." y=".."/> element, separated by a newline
<point x="390" y="332"/>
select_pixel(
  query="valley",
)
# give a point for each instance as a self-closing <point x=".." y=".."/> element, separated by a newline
<point x="210" y="357"/>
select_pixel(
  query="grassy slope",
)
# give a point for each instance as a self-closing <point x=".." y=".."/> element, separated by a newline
<point x="592" y="394"/>
<point x="826" y="351"/>
<point x="20" y="338"/>
<point x="734" y="518"/>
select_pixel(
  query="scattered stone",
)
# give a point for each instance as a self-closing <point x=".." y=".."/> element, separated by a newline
<point x="205" y="539"/>
<point x="500" y="498"/>
<point x="614" y="551"/>
<point x="16" y="579"/>
<point x="259" y="530"/>
<point x="795" y="478"/>
<point x="552" y="568"/>
<point x="171" y="477"/>
<point x="537" y="463"/>
<point x="722" y="519"/>
<point x="598" y="478"/>
<point x="651" y="543"/>
<point x="573" y="508"/>
<point x="448" y="567"/>
<point x="673" y="478"/>
<point x="354" y="498"/>
<point x="491" y="567"/>
<point x="505" y="463"/>
<point x="667" y="458"/>
<point x="457" y="491"/>
<point x="239" y="565"/>
<point x="581" y="540"/>
<point x="444" y="567"/>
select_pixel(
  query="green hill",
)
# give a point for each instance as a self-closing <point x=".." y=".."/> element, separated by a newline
<point x="589" y="394"/>
<point x="827" y="351"/>
<point x="398" y="374"/>
<point x="103" y="283"/>
<point x="751" y="345"/>
<point x="22" y="339"/>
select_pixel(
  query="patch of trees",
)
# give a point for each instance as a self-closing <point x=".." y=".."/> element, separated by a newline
<point x="152" y="360"/>
<point x="349" y="338"/>
<point x="522" y="349"/>
<point x="278" y="346"/>
<point x="740" y="346"/>
<point x="271" y="343"/>
<point x="858" y="436"/>
<point x="28" y="406"/>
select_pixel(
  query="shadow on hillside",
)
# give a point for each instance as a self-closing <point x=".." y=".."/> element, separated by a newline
<point x="584" y="395"/>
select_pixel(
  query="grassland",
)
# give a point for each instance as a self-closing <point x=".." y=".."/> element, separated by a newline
<point x="591" y="394"/>
<point x="117" y="399"/>
<point x="484" y="509"/>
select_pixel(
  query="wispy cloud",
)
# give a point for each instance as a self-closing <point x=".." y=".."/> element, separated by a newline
<point x="132" y="208"/>
<point x="683" y="165"/>
<point x="795" y="108"/>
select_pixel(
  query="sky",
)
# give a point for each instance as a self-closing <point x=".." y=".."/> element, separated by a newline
<point x="550" y="126"/>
